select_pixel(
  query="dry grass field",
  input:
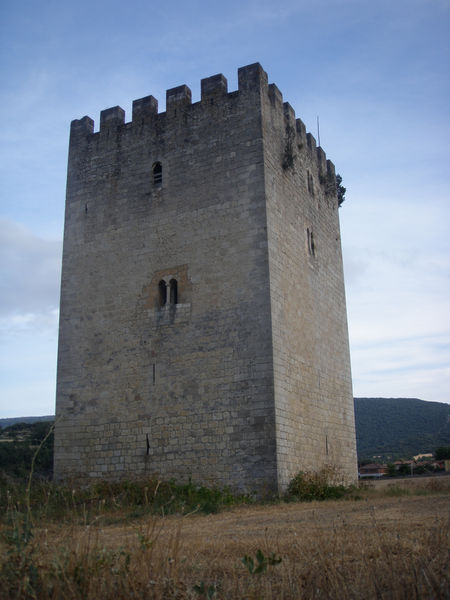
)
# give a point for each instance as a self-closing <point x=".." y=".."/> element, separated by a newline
<point x="392" y="543"/>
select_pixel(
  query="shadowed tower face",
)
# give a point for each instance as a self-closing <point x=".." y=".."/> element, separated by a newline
<point x="203" y="327"/>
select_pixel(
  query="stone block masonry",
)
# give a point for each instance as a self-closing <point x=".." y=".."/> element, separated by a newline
<point x="203" y="326"/>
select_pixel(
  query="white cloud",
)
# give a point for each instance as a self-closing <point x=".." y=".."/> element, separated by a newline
<point x="28" y="347"/>
<point x="29" y="297"/>
<point x="415" y="367"/>
<point x="28" y="399"/>
<point x="398" y="288"/>
<point x="30" y="268"/>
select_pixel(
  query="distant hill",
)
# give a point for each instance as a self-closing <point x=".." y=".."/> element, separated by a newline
<point x="387" y="427"/>
<point x="14" y="420"/>
<point x="400" y="427"/>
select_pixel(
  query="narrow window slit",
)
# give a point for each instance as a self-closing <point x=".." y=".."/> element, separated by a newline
<point x="311" y="245"/>
<point x="157" y="173"/>
<point x="173" y="299"/>
<point x="162" y="292"/>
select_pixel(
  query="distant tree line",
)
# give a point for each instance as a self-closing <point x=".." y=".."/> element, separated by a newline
<point x="442" y="453"/>
<point x="18" y="444"/>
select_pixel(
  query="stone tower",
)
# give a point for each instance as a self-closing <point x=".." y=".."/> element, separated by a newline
<point x="203" y="327"/>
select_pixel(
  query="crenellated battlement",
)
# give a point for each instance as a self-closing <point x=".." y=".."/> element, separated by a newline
<point x="178" y="96"/>
<point x="213" y="87"/>
<point x="253" y="89"/>
<point x="112" y="117"/>
<point x="145" y="108"/>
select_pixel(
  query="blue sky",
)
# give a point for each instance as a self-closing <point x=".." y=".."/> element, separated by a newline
<point x="375" y="72"/>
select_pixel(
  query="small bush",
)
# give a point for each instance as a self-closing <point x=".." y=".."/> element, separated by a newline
<point x="321" y="485"/>
<point x="261" y="562"/>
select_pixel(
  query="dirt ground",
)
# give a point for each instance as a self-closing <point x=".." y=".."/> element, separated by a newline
<point x="252" y="527"/>
<point x="387" y="544"/>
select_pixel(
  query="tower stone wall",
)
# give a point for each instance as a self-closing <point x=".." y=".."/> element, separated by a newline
<point x="203" y="325"/>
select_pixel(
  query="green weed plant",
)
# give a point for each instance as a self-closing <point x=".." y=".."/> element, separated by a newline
<point x="260" y="563"/>
<point x="320" y="485"/>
